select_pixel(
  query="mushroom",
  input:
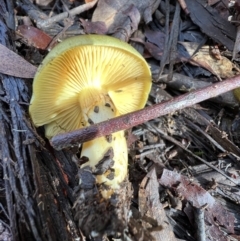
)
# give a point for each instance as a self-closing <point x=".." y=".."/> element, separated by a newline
<point x="236" y="93"/>
<point x="85" y="80"/>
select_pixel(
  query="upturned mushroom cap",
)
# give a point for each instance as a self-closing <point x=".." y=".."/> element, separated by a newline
<point x="80" y="71"/>
<point x="237" y="94"/>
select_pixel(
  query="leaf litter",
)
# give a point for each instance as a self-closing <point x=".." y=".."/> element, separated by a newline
<point x="176" y="162"/>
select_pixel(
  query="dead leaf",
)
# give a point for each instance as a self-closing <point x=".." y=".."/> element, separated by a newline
<point x="154" y="44"/>
<point x="94" y="27"/>
<point x="220" y="66"/>
<point x="156" y="37"/>
<point x="215" y="214"/>
<point x="152" y="50"/>
<point x="14" y="65"/>
<point x="189" y="190"/>
<point x="133" y="13"/>
<point x="33" y="36"/>
<point x="155" y="51"/>
<point x="150" y="206"/>
<point x="211" y="23"/>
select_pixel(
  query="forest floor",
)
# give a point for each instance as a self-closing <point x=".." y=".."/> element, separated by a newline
<point x="183" y="178"/>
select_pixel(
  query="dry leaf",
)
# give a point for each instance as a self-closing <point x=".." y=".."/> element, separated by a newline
<point x="152" y="49"/>
<point x="14" y="65"/>
<point x="192" y="192"/>
<point x="156" y="37"/>
<point x="211" y="23"/>
<point x="94" y="27"/>
<point x="150" y="206"/>
<point x="215" y="214"/>
<point x="155" y="51"/>
<point x="221" y="67"/>
<point x="33" y="36"/>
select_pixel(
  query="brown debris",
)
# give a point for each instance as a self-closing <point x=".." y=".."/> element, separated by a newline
<point x="122" y="17"/>
<point x="211" y="23"/>
<point x="33" y="37"/>
<point x="14" y="65"/>
<point x="215" y="214"/>
<point x="150" y="206"/>
<point x="96" y="216"/>
<point x="183" y="164"/>
<point x="98" y="27"/>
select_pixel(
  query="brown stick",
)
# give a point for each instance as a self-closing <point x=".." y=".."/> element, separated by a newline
<point x="138" y="117"/>
<point x="82" y="8"/>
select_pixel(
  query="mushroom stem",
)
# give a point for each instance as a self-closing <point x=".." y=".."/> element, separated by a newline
<point x="108" y="159"/>
<point x="107" y="156"/>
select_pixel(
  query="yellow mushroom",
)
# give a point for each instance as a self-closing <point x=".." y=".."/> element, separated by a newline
<point x="85" y="80"/>
<point x="237" y="94"/>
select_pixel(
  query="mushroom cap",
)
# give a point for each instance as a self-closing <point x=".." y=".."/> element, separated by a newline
<point x="236" y="93"/>
<point x="78" y="73"/>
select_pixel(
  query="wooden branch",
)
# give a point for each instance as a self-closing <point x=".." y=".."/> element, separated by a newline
<point x="138" y="117"/>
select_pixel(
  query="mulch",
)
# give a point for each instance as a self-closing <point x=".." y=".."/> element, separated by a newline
<point x="183" y="181"/>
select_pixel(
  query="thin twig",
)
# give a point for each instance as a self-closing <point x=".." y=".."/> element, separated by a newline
<point x="165" y="55"/>
<point x="138" y="117"/>
<point x="184" y="6"/>
<point x="68" y="24"/>
<point x="174" y="40"/>
<point x="143" y="154"/>
<point x="199" y="222"/>
<point x="80" y="9"/>
<point x="147" y="147"/>
<point x="212" y="140"/>
<point x="165" y="136"/>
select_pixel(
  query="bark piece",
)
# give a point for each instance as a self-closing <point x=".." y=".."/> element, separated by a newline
<point x="151" y="207"/>
<point x="208" y="19"/>
<point x="122" y="17"/>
